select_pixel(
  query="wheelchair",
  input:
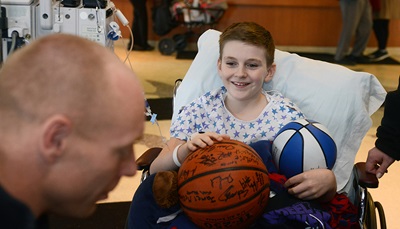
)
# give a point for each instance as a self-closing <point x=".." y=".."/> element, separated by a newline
<point x="312" y="85"/>
<point x="201" y="16"/>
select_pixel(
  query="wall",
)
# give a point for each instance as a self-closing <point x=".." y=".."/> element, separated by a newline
<point x="291" y="22"/>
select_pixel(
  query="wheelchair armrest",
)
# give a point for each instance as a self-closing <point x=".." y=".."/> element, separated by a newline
<point x="145" y="160"/>
<point x="365" y="179"/>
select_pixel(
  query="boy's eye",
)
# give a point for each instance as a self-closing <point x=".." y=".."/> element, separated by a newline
<point x="230" y="63"/>
<point x="252" y="65"/>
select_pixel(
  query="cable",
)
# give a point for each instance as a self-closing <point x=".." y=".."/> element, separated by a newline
<point x="127" y="52"/>
<point x="148" y="112"/>
<point x="14" y="36"/>
<point x="132" y="41"/>
<point x="121" y="17"/>
<point x="153" y="119"/>
<point x="125" y="23"/>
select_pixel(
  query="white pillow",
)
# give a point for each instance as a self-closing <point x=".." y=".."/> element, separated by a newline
<point x="337" y="97"/>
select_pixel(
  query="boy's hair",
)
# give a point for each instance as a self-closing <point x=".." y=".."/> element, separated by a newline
<point x="250" y="33"/>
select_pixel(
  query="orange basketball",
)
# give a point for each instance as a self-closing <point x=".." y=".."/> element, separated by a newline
<point x="225" y="185"/>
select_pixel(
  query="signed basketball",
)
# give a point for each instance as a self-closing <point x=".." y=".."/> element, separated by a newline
<point x="225" y="185"/>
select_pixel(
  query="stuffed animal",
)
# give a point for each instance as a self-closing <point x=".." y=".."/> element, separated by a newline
<point x="165" y="188"/>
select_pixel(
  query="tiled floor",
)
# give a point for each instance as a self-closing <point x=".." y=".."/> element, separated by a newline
<point x="158" y="74"/>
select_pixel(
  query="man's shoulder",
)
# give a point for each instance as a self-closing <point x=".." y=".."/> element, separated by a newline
<point x="15" y="214"/>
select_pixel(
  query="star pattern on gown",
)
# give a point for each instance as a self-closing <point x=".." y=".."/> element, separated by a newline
<point x="208" y="114"/>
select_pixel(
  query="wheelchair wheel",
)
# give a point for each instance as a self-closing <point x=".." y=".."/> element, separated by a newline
<point x="166" y="46"/>
<point x="370" y="215"/>
<point x="370" y="220"/>
<point x="180" y="41"/>
<point x="381" y="213"/>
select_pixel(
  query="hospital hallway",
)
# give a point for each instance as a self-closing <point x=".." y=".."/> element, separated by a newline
<point x="158" y="74"/>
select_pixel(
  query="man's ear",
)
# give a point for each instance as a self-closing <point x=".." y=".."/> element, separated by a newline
<point x="53" y="136"/>
<point x="270" y="73"/>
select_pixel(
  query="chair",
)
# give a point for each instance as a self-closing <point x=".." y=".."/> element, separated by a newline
<point x="367" y="207"/>
<point x="337" y="97"/>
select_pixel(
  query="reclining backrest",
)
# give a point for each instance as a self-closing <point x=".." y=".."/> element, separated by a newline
<point x="337" y="97"/>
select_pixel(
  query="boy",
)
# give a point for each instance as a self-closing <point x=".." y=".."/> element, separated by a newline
<point x="241" y="110"/>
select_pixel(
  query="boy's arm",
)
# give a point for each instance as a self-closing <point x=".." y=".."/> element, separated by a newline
<point x="164" y="161"/>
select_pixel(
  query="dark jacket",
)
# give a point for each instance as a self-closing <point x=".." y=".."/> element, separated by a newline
<point x="388" y="132"/>
<point x="15" y="214"/>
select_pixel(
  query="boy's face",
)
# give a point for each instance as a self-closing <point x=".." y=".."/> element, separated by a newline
<point x="243" y="69"/>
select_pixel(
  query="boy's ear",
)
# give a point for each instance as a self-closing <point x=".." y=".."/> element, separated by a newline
<point x="270" y="73"/>
<point x="53" y="136"/>
<point x="219" y="63"/>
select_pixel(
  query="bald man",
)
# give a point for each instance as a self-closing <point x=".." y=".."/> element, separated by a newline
<point x="70" y="112"/>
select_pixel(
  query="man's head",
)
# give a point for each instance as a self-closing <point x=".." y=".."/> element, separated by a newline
<point x="71" y="111"/>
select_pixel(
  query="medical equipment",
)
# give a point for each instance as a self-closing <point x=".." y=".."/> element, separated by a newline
<point x="27" y="20"/>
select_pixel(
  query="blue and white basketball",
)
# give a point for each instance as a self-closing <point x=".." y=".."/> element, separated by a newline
<point x="303" y="145"/>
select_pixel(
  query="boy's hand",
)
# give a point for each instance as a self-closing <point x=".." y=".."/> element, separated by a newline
<point x="202" y="140"/>
<point x="313" y="184"/>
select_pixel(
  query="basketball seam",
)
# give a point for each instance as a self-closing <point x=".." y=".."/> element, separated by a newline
<point x="319" y="143"/>
<point x="283" y="149"/>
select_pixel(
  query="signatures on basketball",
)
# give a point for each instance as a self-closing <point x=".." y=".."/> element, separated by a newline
<point x="225" y="188"/>
<point x="254" y="184"/>
<point x="231" y="193"/>
<point x="193" y="196"/>
<point x="185" y="174"/>
<point x="219" y="181"/>
<point x="221" y="154"/>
